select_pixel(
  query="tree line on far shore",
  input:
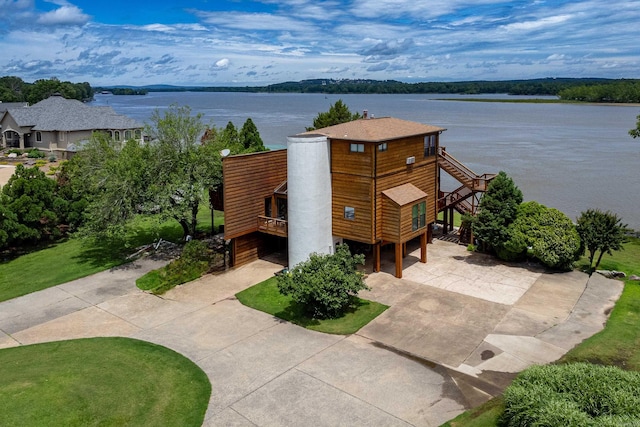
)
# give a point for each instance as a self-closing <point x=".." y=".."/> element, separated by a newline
<point x="14" y="89"/>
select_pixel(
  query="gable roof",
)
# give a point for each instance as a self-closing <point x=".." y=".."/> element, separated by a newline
<point x="375" y="130"/>
<point x="405" y="194"/>
<point x="59" y="114"/>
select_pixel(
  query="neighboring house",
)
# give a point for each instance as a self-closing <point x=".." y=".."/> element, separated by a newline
<point x="370" y="181"/>
<point x="59" y="126"/>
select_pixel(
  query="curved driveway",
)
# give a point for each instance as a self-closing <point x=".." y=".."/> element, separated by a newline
<point x="457" y="330"/>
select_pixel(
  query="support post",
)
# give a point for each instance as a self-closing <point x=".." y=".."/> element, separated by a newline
<point x="430" y="233"/>
<point x="398" y="260"/>
<point x="404" y="250"/>
<point x="376" y="257"/>
<point x="423" y="247"/>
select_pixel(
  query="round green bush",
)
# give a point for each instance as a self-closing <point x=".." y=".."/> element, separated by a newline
<point x="580" y="395"/>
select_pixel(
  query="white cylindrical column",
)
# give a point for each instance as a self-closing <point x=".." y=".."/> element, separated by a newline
<point x="308" y="197"/>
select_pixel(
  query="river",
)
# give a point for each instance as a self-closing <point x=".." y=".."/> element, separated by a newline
<point x="569" y="156"/>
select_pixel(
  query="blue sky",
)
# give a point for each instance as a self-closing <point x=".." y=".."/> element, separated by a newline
<point x="244" y="42"/>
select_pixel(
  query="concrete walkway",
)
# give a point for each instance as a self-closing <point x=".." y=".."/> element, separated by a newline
<point x="457" y="330"/>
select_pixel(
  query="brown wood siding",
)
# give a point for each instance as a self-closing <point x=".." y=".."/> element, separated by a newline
<point x="423" y="176"/>
<point x="356" y="192"/>
<point x="248" y="248"/>
<point x="390" y="221"/>
<point x="248" y="180"/>
<point x="344" y="161"/>
<point x="395" y="158"/>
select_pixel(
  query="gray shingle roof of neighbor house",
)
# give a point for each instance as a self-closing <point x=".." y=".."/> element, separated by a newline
<point x="59" y="114"/>
<point x="4" y="106"/>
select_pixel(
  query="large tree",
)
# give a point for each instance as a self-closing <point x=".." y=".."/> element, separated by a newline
<point x="601" y="232"/>
<point x="497" y="210"/>
<point x="338" y="113"/>
<point x="167" y="177"/>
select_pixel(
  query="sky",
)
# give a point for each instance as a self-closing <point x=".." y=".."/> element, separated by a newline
<point x="259" y="42"/>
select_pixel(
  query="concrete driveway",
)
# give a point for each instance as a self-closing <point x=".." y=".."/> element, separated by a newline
<point x="456" y="331"/>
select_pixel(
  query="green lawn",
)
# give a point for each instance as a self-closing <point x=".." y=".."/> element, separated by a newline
<point x="74" y="258"/>
<point x="265" y="297"/>
<point x="618" y="344"/>
<point x="100" y="381"/>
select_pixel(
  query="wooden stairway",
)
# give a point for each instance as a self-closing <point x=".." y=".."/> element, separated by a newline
<point x="464" y="199"/>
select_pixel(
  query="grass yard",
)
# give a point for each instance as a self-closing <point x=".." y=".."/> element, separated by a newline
<point x="74" y="258"/>
<point x="100" y="381"/>
<point x="618" y="344"/>
<point x="265" y="297"/>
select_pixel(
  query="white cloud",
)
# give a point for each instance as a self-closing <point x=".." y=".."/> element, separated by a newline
<point x="222" y="64"/>
<point x="65" y="15"/>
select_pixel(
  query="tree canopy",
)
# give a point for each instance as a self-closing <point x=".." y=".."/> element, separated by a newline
<point x="30" y="208"/>
<point x="497" y="210"/>
<point x="168" y="177"/>
<point x="14" y="89"/>
<point x="601" y="232"/>
<point x="635" y="133"/>
<point x="338" y="113"/>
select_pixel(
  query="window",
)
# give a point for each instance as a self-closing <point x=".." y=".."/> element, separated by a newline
<point x="127" y="135"/>
<point x="61" y="136"/>
<point x="38" y="137"/>
<point x="267" y="207"/>
<point x="429" y="145"/>
<point x="382" y="147"/>
<point x="349" y="213"/>
<point x="357" y="148"/>
<point x="418" y="216"/>
<point x="138" y="134"/>
<point x="116" y="135"/>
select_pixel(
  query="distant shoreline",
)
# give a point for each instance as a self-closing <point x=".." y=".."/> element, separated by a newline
<point x="541" y="101"/>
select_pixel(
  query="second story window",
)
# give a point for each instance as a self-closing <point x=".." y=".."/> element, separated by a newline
<point x="382" y="147"/>
<point x="38" y="136"/>
<point x="429" y="145"/>
<point x="356" y="148"/>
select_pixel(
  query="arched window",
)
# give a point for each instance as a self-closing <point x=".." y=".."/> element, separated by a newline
<point x="138" y="134"/>
<point x="116" y="135"/>
<point x="38" y="137"/>
<point x="127" y="135"/>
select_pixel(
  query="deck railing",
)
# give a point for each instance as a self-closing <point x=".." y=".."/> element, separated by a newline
<point x="275" y="226"/>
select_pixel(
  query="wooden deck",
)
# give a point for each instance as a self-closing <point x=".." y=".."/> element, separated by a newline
<point x="274" y="226"/>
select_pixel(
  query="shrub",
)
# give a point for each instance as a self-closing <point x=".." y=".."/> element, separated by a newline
<point x="579" y="394"/>
<point x="544" y="233"/>
<point x="325" y="284"/>
<point x="192" y="264"/>
<point x="52" y="158"/>
<point x="35" y="154"/>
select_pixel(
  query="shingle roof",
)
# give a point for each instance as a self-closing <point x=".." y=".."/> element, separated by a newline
<point x="375" y="130"/>
<point x="4" y="106"/>
<point x="405" y="194"/>
<point x="59" y="114"/>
